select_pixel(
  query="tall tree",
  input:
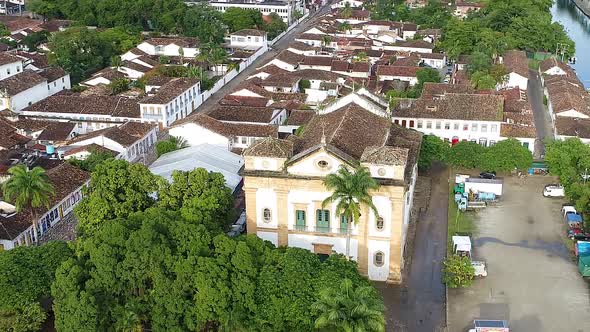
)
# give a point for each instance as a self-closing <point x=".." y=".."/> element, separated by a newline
<point x="350" y="191"/>
<point x="432" y="149"/>
<point x="29" y="190"/>
<point x="117" y="189"/>
<point x="345" y="308"/>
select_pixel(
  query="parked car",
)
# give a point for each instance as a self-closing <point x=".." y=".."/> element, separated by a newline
<point x="553" y="190"/>
<point x="487" y="175"/>
<point x="480" y="269"/>
<point x="568" y="209"/>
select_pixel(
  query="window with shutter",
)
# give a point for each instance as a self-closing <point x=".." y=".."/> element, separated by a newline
<point x="323" y="221"/>
<point x="300" y="220"/>
<point x="343" y="224"/>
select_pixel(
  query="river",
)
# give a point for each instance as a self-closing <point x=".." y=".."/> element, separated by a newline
<point x="577" y="26"/>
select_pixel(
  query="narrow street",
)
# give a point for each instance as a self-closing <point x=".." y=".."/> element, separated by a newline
<point x="418" y="304"/>
<point x="282" y="44"/>
<point x="541" y="115"/>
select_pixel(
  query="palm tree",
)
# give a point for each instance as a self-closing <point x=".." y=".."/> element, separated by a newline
<point x="326" y="40"/>
<point x="350" y="190"/>
<point x="29" y="189"/>
<point x="349" y="309"/>
<point x="346" y="11"/>
<point x="361" y="57"/>
<point x="217" y="56"/>
<point x="344" y="26"/>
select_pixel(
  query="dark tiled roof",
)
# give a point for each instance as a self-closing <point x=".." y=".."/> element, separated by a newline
<point x="171" y="90"/>
<point x="281" y="80"/>
<point x="6" y="58"/>
<point x="180" y="41"/>
<point x="360" y="67"/>
<point x="385" y="155"/>
<point x="21" y="82"/>
<point x="574" y="127"/>
<point x="415" y="44"/>
<point x="65" y="179"/>
<point x="126" y="134"/>
<point x="301" y="46"/>
<point x="290" y="57"/>
<point x="9" y="137"/>
<point x="552" y="62"/>
<point x="57" y="131"/>
<point x="52" y="73"/>
<point x="477" y="107"/>
<point x="230" y="100"/>
<point x="229" y="129"/>
<point x="243" y="114"/>
<point x="249" y="32"/>
<point x="300" y="117"/>
<point x="340" y="65"/>
<point x="437" y="89"/>
<point x="270" y="147"/>
<point x="317" y="61"/>
<point x="317" y="74"/>
<point x="101" y="105"/>
<point x="397" y="71"/>
<point x="517" y="62"/>
<point x="517" y="130"/>
<point x="15" y="23"/>
<point x="90" y="148"/>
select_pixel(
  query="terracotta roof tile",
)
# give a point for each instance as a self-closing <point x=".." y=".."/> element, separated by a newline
<point x="517" y="62"/>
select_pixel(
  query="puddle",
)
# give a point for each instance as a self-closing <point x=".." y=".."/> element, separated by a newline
<point x="553" y="248"/>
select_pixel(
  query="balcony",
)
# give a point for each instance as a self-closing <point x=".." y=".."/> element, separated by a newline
<point x="320" y="229"/>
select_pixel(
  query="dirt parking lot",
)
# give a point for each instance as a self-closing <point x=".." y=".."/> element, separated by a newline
<point x="532" y="280"/>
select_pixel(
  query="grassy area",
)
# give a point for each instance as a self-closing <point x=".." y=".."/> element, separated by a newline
<point x="458" y="222"/>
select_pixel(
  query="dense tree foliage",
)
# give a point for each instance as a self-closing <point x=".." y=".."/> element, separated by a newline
<point x="34" y="39"/>
<point x="434" y="15"/>
<point x="432" y="149"/>
<point x="200" y="196"/>
<point x="423" y="75"/>
<point x="570" y="160"/>
<point x="506" y="155"/>
<point x="81" y="51"/>
<point x="25" y="283"/>
<point x="238" y="18"/>
<point x="92" y="160"/>
<point x="204" y="22"/>
<point x="117" y="188"/>
<point x="465" y="154"/>
<point x="458" y="271"/>
<point x="155" y="269"/>
<point x="275" y="27"/>
<point x="342" y="307"/>
<point x="506" y="24"/>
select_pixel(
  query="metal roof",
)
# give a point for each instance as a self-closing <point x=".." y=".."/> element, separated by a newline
<point x="210" y="157"/>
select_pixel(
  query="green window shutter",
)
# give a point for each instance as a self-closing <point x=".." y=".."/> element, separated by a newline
<point x="300" y="218"/>
<point x="343" y="224"/>
<point x="323" y="220"/>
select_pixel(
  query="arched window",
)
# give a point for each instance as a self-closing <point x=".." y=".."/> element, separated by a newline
<point x="266" y="215"/>
<point x="379" y="223"/>
<point x="378" y="258"/>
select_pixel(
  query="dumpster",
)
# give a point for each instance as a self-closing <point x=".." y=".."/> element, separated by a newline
<point x="582" y="248"/>
<point x="584" y="265"/>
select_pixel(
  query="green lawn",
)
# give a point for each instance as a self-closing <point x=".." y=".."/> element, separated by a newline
<point x="458" y="222"/>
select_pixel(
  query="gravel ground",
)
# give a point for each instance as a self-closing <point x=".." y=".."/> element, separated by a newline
<point x="532" y="280"/>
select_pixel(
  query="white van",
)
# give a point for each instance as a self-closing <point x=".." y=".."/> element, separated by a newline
<point x="553" y="190"/>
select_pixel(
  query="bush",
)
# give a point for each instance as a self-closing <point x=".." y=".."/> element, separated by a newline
<point x="164" y="147"/>
<point x="465" y="154"/>
<point x="506" y="155"/>
<point x="458" y="272"/>
<point x="432" y="149"/>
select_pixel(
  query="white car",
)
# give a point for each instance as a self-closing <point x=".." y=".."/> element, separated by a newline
<point x="480" y="269"/>
<point x="553" y="190"/>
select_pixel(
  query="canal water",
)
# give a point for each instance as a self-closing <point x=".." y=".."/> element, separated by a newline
<point x="577" y="26"/>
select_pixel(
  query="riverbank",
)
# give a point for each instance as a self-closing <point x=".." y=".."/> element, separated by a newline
<point x="584" y="6"/>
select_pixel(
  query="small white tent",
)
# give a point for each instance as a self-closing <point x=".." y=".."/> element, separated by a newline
<point x="461" y="244"/>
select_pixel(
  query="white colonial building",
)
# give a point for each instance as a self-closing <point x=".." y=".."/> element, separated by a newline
<point x="284" y="188"/>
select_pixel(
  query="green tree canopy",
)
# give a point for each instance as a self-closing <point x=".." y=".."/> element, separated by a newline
<point x="238" y="18"/>
<point x="458" y="271"/>
<point x="200" y="196"/>
<point x="117" y="188"/>
<point x="81" y="51"/>
<point x="204" y="22"/>
<point x="154" y="268"/>
<point x="483" y="81"/>
<point x="432" y="149"/>
<point x="25" y="281"/>
<point x="275" y="27"/>
<point x="506" y="155"/>
<point x="465" y="154"/>
<point x="342" y="307"/>
<point x="95" y="158"/>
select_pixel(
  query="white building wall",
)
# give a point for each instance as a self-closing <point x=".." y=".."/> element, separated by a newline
<point x="28" y="97"/>
<point x="379" y="273"/>
<point x="284" y="11"/>
<point x="456" y="128"/>
<point x="248" y="41"/>
<point x="58" y="85"/>
<point x="196" y="135"/>
<point x="514" y="80"/>
<point x="266" y="199"/>
<point x="338" y="243"/>
<point x="10" y="69"/>
<point x="269" y="236"/>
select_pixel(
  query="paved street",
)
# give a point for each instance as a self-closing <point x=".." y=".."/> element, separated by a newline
<point x="418" y="305"/>
<point x="540" y="112"/>
<point x="276" y="49"/>
<point x="532" y="281"/>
